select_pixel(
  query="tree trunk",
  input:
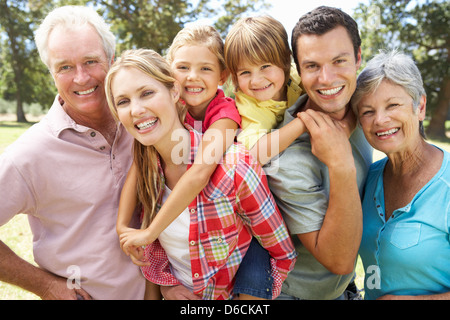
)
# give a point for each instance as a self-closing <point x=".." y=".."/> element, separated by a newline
<point x="19" y="111"/>
<point x="436" y="129"/>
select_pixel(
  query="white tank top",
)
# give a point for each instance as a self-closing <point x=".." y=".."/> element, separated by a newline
<point x="175" y="241"/>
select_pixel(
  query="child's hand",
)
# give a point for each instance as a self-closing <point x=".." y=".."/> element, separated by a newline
<point x="131" y="242"/>
<point x="329" y="140"/>
<point x="348" y="123"/>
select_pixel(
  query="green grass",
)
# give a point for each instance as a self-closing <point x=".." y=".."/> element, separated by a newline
<point x="17" y="235"/>
<point x="10" y="131"/>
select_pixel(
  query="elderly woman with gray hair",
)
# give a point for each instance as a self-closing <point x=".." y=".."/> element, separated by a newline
<point x="405" y="246"/>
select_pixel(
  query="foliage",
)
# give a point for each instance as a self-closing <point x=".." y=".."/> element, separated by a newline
<point x="136" y="23"/>
<point x="420" y="28"/>
<point x="22" y="77"/>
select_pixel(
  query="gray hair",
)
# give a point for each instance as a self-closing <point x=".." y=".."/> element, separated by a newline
<point x="396" y="67"/>
<point x="70" y="17"/>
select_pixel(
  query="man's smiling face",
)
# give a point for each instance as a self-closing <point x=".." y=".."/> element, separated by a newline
<point x="328" y="69"/>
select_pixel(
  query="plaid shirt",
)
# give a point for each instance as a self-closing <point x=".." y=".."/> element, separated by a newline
<point x="233" y="207"/>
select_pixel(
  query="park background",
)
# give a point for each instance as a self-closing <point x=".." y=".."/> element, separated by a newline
<point x="420" y="28"/>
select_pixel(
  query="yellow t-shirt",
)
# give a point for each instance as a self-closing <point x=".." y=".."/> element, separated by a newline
<point x="260" y="117"/>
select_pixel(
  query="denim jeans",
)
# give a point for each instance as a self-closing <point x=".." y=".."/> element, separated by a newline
<point x="254" y="275"/>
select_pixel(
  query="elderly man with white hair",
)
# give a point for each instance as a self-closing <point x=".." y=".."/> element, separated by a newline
<point x="66" y="172"/>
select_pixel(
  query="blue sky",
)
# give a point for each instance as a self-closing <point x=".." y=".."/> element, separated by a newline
<point x="289" y="11"/>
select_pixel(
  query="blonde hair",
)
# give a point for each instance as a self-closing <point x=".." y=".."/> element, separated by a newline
<point x="150" y="183"/>
<point x="261" y="39"/>
<point x="198" y="35"/>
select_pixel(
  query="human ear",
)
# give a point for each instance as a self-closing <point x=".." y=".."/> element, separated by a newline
<point x="224" y="77"/>
<point x="175" y="91"/>
<point x="422" y="108"/>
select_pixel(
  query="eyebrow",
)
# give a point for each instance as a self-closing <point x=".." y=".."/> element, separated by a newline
<point x="341" y="55"/>
<point x="124" y="94"/>
<point x="188" y="62"/>
<point x="62" y="62"/>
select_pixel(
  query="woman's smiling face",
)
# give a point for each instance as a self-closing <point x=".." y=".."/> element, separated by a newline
<point x="388" y="120"/>
<point x="145" y="106"/>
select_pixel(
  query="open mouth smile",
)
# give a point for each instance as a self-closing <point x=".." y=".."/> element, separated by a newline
<point x="146" y="124"/>
<point x="194" y="90"/>
<point x="330" y="92"/>
<point x="387" y="133"/>
<point x="82" y="93"/>
<point x="263" y="88"/>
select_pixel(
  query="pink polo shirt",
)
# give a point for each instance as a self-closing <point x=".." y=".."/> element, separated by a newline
<point x="68" y="179"/>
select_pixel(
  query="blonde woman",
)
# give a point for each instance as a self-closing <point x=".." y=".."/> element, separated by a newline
<point x="203" y="248"/>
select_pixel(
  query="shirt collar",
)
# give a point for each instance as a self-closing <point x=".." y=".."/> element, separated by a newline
<point x="242" y="98"/>
<point x="59" y="120"/>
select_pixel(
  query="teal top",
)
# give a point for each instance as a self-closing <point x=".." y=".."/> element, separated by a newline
<point x="410" y="253"/>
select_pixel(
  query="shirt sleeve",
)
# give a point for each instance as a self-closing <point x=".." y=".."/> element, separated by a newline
<point x="258" y="210"/>
<point x="299" y="184"/>
<point x="17" y="195"/>
<point x="158" y="271"/>
<point x="222" y="108"/>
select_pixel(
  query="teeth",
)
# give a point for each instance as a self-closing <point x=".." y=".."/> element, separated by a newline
<point x="330" y="91"/>
<point x="146" y="124"/>
<point x="86" y="92"/>
<point x="195" y="90"/>
<point x="386" y="133"/>
<point x="263" y="87"/>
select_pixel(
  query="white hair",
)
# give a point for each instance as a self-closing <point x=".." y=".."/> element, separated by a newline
<point x="395" y="67"/>
<point x="71" y="17"/>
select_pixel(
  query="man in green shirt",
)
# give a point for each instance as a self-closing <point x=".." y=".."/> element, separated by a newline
<point x="320" y="176"/>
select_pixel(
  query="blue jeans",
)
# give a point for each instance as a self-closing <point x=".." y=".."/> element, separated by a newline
<point x="254" y="274"/>
<point x="284" y="296"/>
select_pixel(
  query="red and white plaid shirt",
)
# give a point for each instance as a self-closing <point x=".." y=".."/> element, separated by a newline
<point x="233" y="207"/>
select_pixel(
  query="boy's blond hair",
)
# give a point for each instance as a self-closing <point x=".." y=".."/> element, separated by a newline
<point x="198" y="35"/>
<point x="260" y="39"/>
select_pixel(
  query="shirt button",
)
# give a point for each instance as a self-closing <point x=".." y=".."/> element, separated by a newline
<point x="93" y="134"/>
<point x="219" y="240"/>
<point x="192" y="243"/>
<point x="192" y="210"/>
<point x="102" y="148"/>
<point x="196" y="275"/>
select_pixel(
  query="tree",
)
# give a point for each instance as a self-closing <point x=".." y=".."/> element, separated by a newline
<point x="154" y="24"/>
<point x="422" y="30"/>
<point x="136" y="24"/>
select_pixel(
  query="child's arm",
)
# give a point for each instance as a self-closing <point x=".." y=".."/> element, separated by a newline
<point x="271" y="144"/>
<point x="128" y="200"/>
<point x="218" y="137"/>
<point x="216" y="140"/>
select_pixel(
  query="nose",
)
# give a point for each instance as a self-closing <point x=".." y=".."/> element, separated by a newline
<point x="256" y="78"/>
<point x="193" y="75"/>
<point x="137" y="109"/>
<point x="381" y="117"/>
<point x="326" y="75"/>
<point x="81" y="76"/>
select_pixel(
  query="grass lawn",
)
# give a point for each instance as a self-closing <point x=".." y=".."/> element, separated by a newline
<point x="17" y="235"/>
